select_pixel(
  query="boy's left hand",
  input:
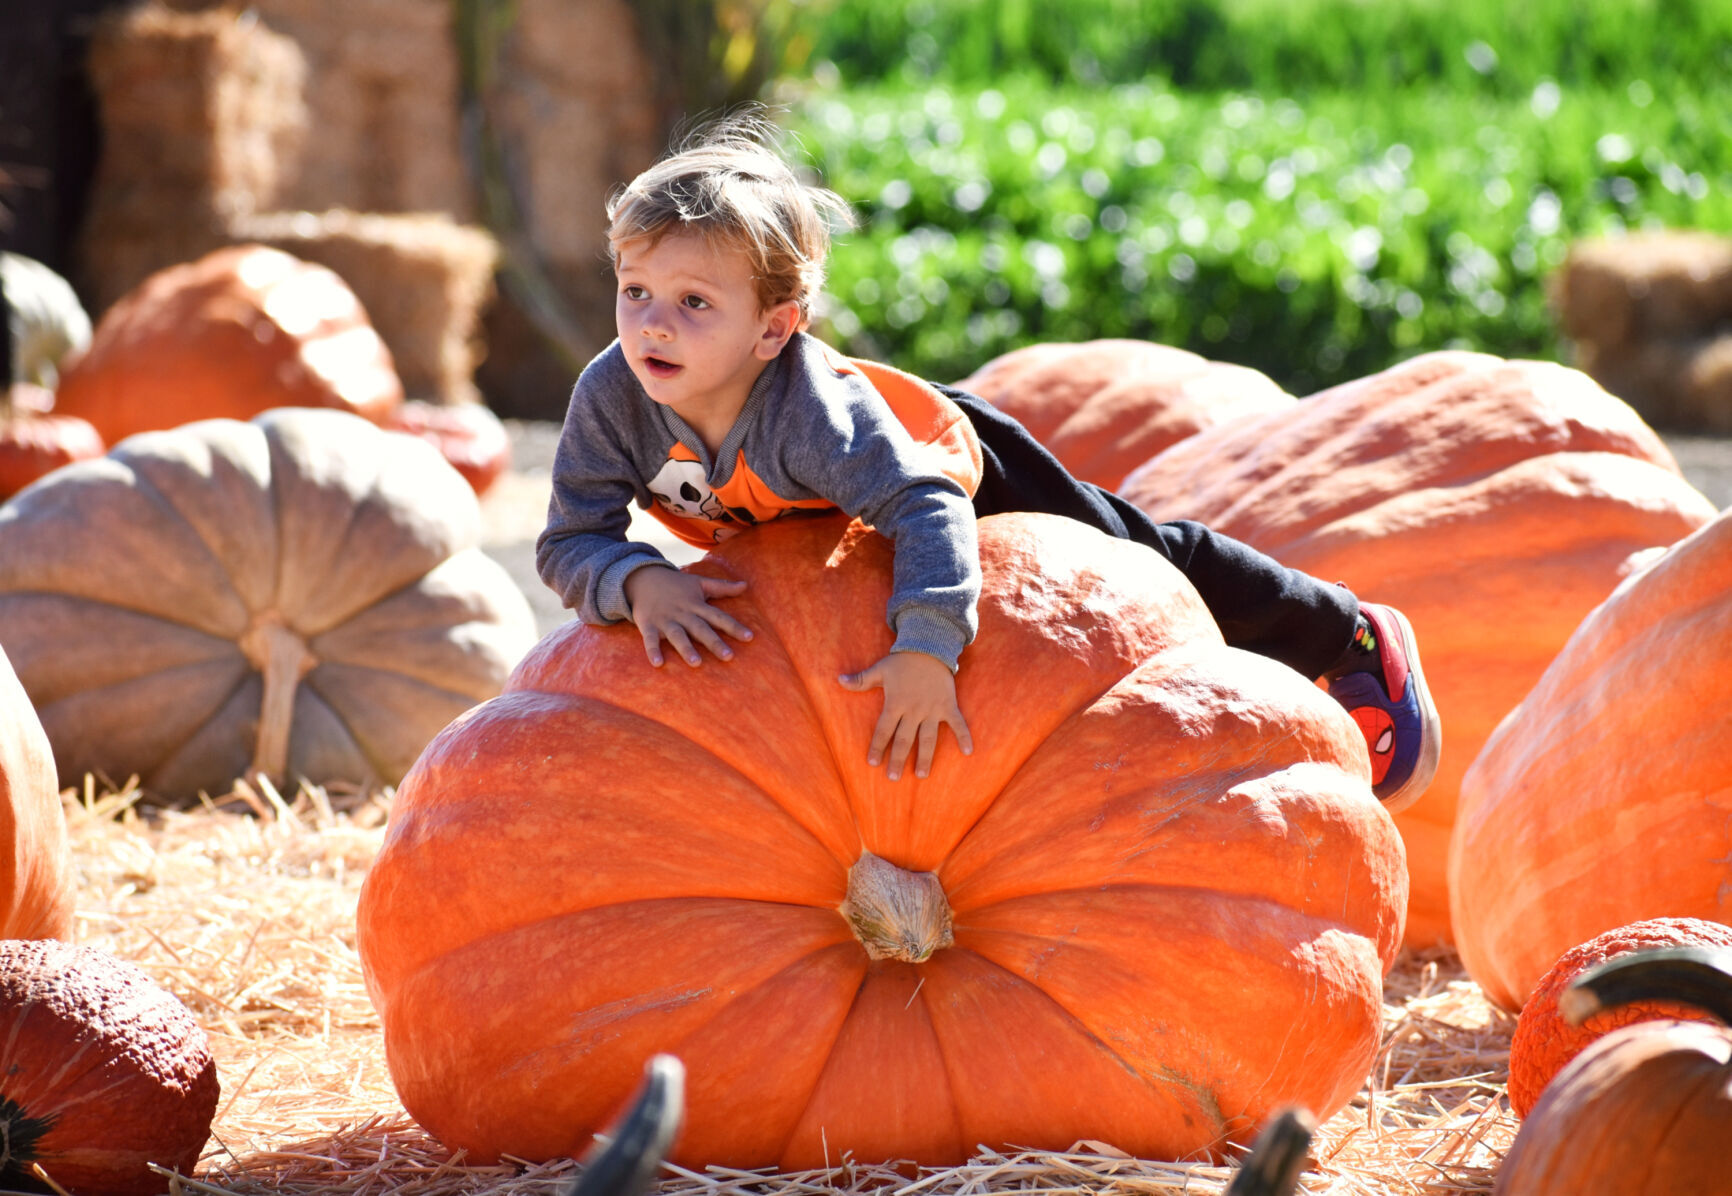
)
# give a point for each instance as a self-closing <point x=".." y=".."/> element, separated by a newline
<point x="919" y="695"/>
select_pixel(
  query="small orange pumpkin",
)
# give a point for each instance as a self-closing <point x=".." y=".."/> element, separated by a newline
<point x="1103" y="407"/>
<point x="35" y="440"/>
<point x="1544" y="1040"/>
<point x="1647" y="1107"/>
<point x="1494" y="502"/>
<point x="144" y="1088"/>
<point x="1603" y="798"/>
<point x="1161" y="868"/>
<point x="468" y="435"/>
<point x="237" y="332"/>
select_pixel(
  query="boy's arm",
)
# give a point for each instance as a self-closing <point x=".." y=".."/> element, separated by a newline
<point x="583" y="554"/>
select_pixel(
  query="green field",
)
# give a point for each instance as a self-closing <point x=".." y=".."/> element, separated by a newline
<point x="1254" y="199"/>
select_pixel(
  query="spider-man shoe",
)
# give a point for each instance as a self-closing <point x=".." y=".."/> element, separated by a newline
<point x="1388" y="698"/>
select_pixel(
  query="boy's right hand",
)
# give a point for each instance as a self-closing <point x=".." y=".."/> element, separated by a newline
<point x="667" y="604"/>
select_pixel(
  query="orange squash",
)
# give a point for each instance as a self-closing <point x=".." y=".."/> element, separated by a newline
<point x="34" y="440"/>
<point x="1606" y="795"/>
<point x="468" y="435"/>
<point x="1161" y="868"/>
<point x="1648" y="1107"/>
<point x="1103" y="407"/>
<point x="1494" y="502"/>
<point x="237" y="332"/>
<point x="35" y="860"/>
<point x="300" y="595"/>
<point x="1544" y="1040"/>
<point x="102" y="1072"/>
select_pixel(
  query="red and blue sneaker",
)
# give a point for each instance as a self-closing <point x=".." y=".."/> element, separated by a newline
<point x="1382" y="686"/>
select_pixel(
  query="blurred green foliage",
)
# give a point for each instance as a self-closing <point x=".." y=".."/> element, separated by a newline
<point x="1326" y="187"/>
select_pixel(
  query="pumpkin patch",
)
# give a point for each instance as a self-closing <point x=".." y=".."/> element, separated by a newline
<point x="1620" y="754"/>
<point x="1161" y="868"/>
<point x="1493" y="502"/>
<point x="299" y="596"/>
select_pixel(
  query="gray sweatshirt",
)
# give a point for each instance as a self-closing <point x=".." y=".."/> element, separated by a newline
<point x="815" y="434"/>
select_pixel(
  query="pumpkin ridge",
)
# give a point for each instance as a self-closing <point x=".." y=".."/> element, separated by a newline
<point x="142" y="481"/>
<point x="147" y="765"/>
<point x="1205" y="1099"/>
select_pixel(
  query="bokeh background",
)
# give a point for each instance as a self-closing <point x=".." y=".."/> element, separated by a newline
<point x="1314" y="188"/>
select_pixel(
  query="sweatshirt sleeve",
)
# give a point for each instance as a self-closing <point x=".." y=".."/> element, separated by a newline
<point x="851" y="449"/>
<point x="583" y="554"/>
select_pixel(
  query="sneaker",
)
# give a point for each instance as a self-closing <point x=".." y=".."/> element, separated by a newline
<point x="1389" y="700"/>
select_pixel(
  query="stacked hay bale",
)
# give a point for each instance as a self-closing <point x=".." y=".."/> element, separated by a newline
<point x="203" y="122"/>
<point x="1651" y="319"/>
<point x="206" y="115"/>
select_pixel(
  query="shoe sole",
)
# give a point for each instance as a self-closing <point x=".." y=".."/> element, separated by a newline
<point x="1431" y="746"/>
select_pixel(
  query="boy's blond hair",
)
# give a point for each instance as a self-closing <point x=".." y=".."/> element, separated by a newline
<point x="728" y="184"/>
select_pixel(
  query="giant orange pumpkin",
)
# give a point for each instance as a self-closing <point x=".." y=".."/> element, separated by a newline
<point x="1153" y="907"/>
<point x="1103" y="407"/>
<point x="1494" y="502"/>
<point x="102" y="1073"/>
<point x="1605" y="797"/>
<point x="35" y="863"/>
<point x="239" y="331"/>
<point x="300" y="595"/>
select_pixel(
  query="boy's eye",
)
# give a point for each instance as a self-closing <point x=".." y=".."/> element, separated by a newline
<point x="634" y="291"/>
<point x="697" y="302"/>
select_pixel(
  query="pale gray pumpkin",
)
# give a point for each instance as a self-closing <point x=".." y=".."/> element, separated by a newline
<point x="300" y="595"/>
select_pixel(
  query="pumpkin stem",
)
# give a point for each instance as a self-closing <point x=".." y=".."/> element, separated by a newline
<point x="1277" y="1156"/>
<point x="895" y="913"/>
<point x="1696" y="976"/>
<point x="282" y="657"/>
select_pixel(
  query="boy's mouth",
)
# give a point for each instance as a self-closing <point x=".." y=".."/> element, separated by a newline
<point x="660" y="367"/>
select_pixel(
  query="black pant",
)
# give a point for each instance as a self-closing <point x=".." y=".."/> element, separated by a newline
<point x="1259" y="603"/>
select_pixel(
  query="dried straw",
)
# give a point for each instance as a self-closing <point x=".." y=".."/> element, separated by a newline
<point x="244" y="907"/>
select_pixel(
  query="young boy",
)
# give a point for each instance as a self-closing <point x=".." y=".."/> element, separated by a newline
<point x="715" y="410"/>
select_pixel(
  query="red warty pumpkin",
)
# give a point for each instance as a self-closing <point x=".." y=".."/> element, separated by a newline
<point x="237" y="332"/>
<point x="102" y="1072"/>
<point x="1494" y="502"/>
<point x="1544" y="1040"/>
<point x="1153" y="908"/>
<point x="1605" y="797"/>
<point x="1103" y="407"/>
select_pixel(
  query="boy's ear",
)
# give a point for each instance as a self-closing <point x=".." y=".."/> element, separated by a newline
<point x="780" y="322"/>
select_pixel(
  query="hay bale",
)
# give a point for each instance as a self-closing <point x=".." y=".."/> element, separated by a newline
<point x="1671" y="286"/>
<point x="203" y="122"/>
<point x="1682" y="384"/>
<point x="382" y="91"/>
<point x="422" y="277"/>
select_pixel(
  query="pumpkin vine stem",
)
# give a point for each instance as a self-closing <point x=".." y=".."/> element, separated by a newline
<point x="1695" y="976"/>
<point x="283" y="658"/>
<point x="895" y="913"/>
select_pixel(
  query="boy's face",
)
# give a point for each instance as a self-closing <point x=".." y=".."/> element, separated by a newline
<point x="690" y="325"/>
